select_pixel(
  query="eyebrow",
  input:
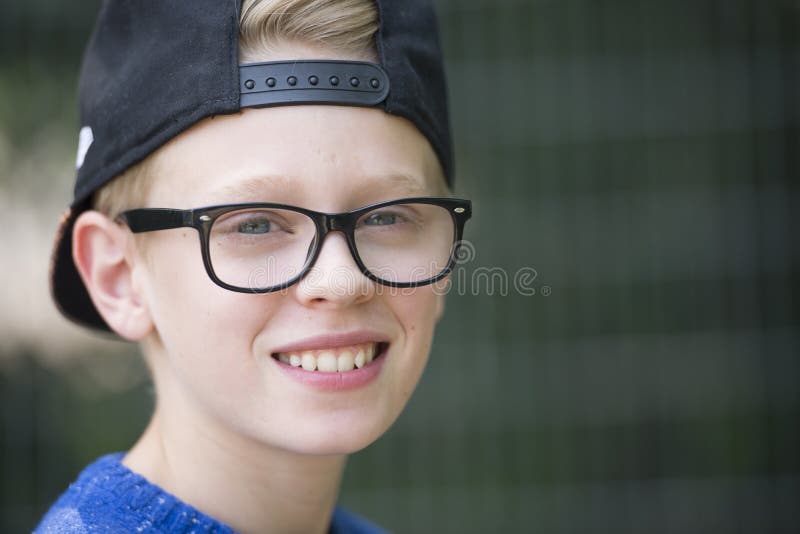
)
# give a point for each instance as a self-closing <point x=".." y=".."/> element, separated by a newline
<point x="253" y="186"/>
<point x="257" y="186"/>
<point x="402" y="183"/>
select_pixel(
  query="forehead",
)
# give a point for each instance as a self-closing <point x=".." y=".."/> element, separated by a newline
<point x="320" y="156"/>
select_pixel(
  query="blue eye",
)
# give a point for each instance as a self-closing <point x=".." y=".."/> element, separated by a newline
<point x="256" y="226"/>
<point x="381" y="219"/>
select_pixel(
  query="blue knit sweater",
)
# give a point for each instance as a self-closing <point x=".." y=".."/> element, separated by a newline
<point x="109" y="497"/>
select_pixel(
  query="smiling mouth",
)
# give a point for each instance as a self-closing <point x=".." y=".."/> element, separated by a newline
<point x="334" y="360"/>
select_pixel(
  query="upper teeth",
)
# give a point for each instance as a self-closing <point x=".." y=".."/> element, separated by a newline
<point x="332" y="360"/>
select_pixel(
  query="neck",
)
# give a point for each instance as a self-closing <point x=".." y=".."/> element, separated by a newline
<point x="247" y="484"/>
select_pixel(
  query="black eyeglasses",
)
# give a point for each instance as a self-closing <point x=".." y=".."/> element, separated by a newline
<point x="265" y="247"/>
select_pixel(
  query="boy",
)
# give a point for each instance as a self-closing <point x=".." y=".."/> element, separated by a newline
<point x="306" y="144"/>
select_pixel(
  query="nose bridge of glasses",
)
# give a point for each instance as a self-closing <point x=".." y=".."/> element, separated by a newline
<point x="339" y="246"/>
<point x="336" y="222"/>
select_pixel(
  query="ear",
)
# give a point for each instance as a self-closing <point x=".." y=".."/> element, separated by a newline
<point x="104" y="258"/>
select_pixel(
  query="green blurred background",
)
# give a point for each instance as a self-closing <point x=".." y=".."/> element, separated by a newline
<point x="635" y="160"/>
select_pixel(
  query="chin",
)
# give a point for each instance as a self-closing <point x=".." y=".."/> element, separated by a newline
<point x="336" y="434"/>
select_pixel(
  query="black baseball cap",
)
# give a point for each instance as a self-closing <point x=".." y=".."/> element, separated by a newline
<point x="152" y="69"/>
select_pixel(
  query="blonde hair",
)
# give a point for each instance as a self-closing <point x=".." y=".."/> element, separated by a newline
<point x="344" y="26"/>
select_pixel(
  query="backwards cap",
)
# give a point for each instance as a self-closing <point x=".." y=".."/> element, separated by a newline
<point x="152" y="69"/>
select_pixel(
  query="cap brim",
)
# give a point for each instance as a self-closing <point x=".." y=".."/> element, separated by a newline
<point x="66" y="285"/>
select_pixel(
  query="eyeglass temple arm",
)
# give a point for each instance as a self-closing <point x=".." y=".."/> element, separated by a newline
<point x="151" y="219"/>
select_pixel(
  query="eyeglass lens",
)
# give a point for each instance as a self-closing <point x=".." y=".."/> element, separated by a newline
<point x="262" y="248"/>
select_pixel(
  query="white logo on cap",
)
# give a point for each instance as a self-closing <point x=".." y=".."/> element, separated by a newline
<point x="85" y="140"/>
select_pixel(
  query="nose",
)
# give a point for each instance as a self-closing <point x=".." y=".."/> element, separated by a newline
<point x="334" y="279"/>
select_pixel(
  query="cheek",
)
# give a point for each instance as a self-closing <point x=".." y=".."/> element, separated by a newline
<point x="416" y="310"/>
<point x="206" y="331"/>
<point x="417" y="313"/>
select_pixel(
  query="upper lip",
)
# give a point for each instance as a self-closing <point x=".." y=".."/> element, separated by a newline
<point x="331" y="340"/>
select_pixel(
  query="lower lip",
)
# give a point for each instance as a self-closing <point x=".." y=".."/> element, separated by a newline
<point x="341" y="381"/>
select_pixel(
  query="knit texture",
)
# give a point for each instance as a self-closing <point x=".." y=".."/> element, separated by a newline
<point x="110" y="498"/>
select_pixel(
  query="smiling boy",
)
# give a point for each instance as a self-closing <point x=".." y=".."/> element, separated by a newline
<point x="262" y="203"/>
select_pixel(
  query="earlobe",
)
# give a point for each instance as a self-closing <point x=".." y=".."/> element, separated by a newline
<point x="101" y="255"/>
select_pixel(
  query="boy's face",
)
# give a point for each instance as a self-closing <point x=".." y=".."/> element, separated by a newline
<point x="217" y="347"/>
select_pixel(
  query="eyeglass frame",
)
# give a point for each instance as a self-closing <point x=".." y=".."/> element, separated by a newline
<point x="140" y="220"/>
